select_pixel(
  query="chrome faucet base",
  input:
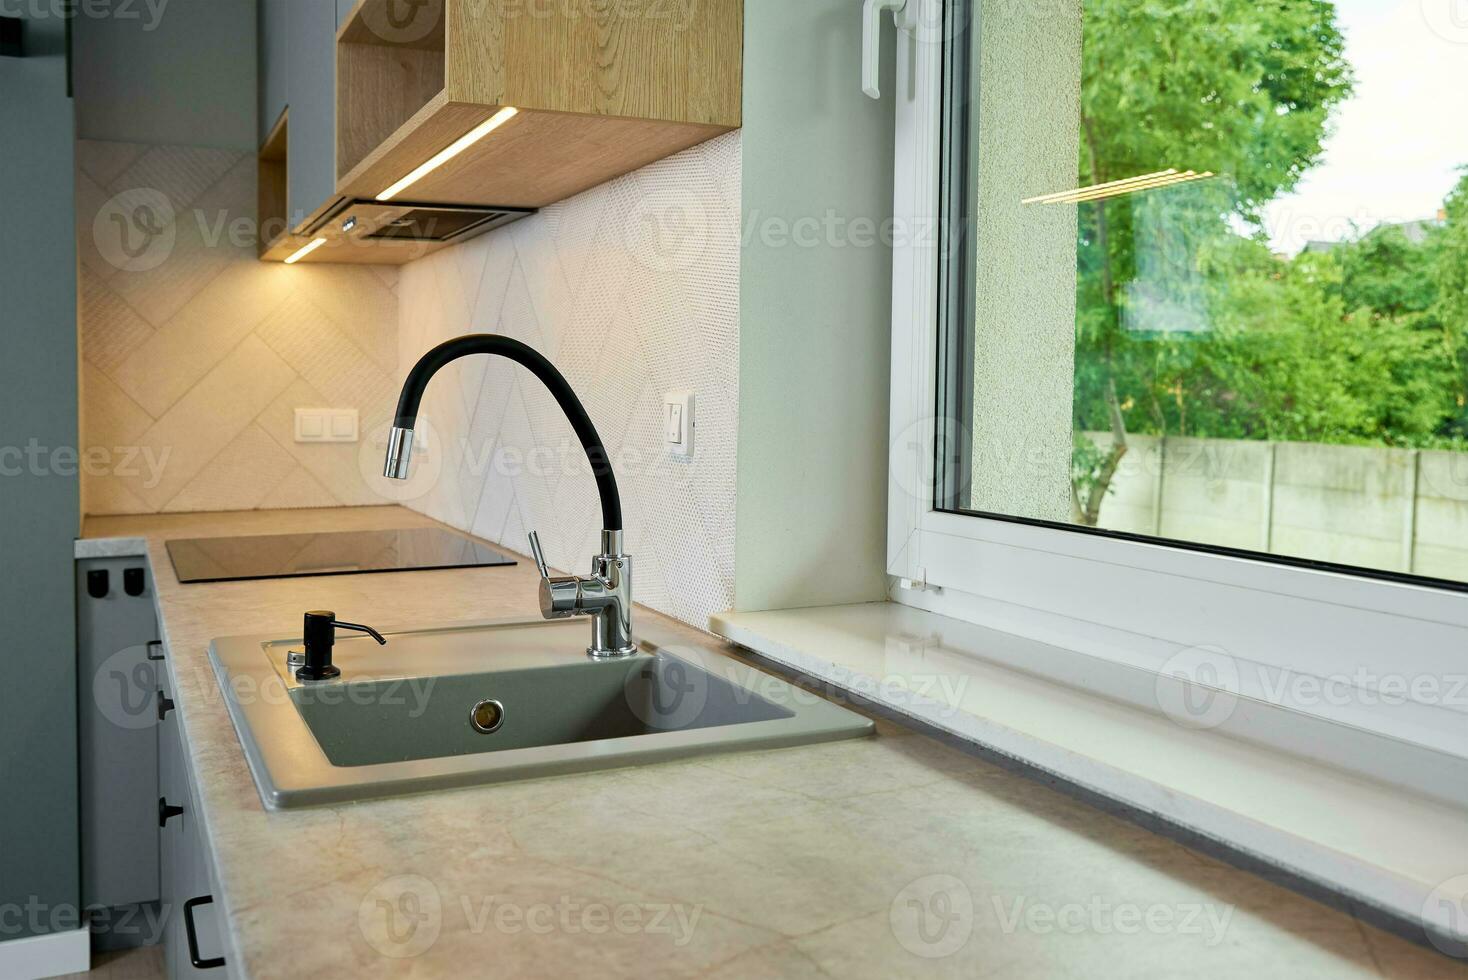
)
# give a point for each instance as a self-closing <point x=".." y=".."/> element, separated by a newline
<point x="622" y="654"/>
<point x="605" y="595"/>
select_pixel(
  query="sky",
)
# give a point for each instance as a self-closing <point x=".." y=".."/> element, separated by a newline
<point x="1397" y="142"/>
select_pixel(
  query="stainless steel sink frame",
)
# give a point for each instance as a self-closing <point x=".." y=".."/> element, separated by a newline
<point x="443" y="708"/>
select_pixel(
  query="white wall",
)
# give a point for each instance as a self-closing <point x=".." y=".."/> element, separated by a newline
<point x="631" y="289"/>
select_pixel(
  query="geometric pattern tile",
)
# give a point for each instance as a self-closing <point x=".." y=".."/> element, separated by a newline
<point x="195" y="354"/>
<point x="632" y="289"/>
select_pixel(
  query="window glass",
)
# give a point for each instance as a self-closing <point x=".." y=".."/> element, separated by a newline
<point x="1207" y="273"/>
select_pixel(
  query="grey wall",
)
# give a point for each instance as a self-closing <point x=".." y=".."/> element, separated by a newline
<point x="815" y="317"/>
<point x="180" y="72"/>
<point x="38" y="510"/>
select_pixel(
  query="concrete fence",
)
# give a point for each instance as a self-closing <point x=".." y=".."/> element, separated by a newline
<point x="1402" y="510"/>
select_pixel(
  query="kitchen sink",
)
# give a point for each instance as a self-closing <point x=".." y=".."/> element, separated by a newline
<point x="441" y="708"/>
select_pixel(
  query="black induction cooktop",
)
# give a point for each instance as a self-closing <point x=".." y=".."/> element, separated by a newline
<point x="328" y="553"/>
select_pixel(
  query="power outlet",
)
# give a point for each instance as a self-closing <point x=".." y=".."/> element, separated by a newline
<point x="326" y="425"/>
<point x="678" y="423"/>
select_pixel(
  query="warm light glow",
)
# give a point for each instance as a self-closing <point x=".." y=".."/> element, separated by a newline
<point x="304" y="251"/>
<point x="1187" y="176"/>
<point x="1046" y="198"/>
<point x="454" y="149"/>
<point x="1116" y="188"/>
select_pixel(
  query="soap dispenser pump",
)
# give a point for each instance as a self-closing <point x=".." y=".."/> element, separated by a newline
<point x="320" y="637"/>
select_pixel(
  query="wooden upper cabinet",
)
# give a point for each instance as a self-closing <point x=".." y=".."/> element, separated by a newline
<point x="601" y="88"/>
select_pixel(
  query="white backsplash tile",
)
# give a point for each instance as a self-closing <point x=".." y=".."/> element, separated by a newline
<point x="632" y="290"/>
<point x="201" y="358"/>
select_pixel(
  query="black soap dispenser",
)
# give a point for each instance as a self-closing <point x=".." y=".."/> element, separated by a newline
<point x="320" y="637"/>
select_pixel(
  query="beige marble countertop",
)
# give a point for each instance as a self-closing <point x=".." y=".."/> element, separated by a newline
<point x="895" y="855"/>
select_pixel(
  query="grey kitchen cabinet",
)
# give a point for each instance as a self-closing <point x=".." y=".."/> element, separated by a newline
<point x="274" y="39"/>
<point x="311" y="95"/>
<point x="297" y="75"/>
<point x="192" y="945"/>
<point x="117" y="742"/>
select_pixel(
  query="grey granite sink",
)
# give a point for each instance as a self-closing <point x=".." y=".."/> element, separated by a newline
<point x="453" y="707"/>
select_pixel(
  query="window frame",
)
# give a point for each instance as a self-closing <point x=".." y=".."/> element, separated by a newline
<point x="1295" y="617"/>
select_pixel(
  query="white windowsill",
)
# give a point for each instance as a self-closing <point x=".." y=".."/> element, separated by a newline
<point x="1402" y="852"/>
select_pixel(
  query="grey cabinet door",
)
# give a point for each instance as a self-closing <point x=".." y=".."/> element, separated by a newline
<point x="312" y="98"/>
<point x="173" y="882"/>
<point x="185" y="867"/>
<point x="117" y="748"/>
<point x="274" y="33"/>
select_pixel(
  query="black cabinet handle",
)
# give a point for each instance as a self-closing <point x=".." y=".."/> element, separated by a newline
<point x="167" y="811"/>
<point x="165" y="705"/>
<point x="189" y="907"/>
<point x="155" y="645"/>
<point x="132" y="581"/>
<point x="97" y="585"/>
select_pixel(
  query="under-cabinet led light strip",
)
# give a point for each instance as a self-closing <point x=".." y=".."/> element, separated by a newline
<point x="452" y="150"/>
<point x="304" y="251"/>
<point x="1116" y="188"/>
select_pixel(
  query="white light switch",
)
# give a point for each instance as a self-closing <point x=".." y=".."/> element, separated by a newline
<point x="678" y="423"/>
<point x="326" y="425"/>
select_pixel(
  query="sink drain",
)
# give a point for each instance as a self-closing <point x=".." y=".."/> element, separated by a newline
<point x="487" y="717"/>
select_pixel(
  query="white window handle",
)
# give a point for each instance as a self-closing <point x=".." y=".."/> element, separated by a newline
<point x="904" y="15"/>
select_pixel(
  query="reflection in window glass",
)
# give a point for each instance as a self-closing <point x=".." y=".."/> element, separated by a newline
<point x="1211" y="274"/>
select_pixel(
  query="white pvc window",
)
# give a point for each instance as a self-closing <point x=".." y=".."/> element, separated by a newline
<point x="1001" y="407"/>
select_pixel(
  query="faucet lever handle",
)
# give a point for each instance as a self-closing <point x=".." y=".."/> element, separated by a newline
<point x="538" y="555"/>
